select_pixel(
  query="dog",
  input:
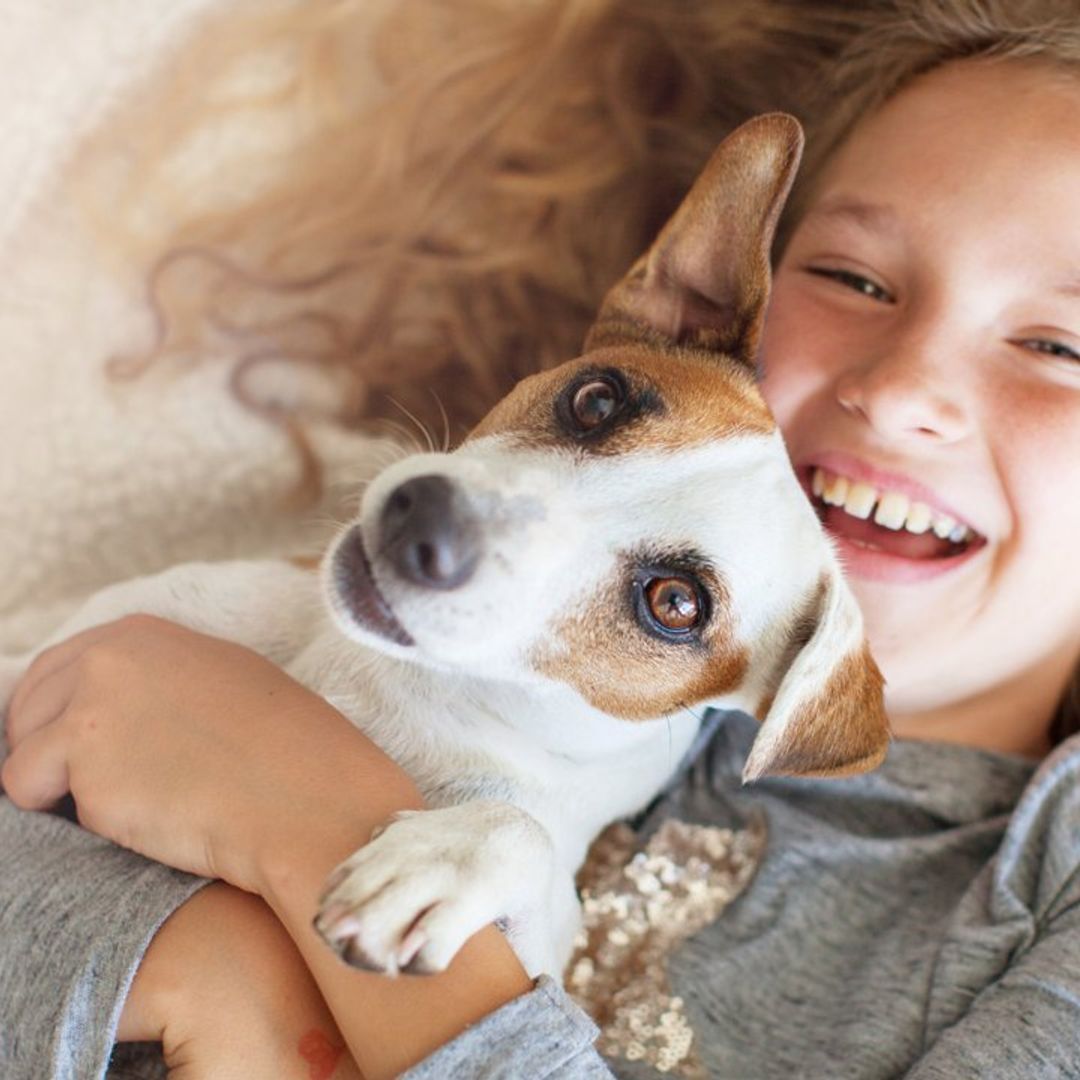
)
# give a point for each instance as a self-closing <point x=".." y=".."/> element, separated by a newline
<point x="531" y="624"/>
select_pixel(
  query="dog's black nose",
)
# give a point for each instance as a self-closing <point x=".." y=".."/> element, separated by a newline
<point x="428" y="533"/>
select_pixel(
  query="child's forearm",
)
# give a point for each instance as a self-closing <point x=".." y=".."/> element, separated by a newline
<point x="225" y="991"/>
<point x="388" y="1023"/>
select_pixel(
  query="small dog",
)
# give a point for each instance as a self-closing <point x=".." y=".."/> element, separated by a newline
<point x="527" y="624"/>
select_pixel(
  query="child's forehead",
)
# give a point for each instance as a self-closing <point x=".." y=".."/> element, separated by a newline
<point x="971" y="117"/>
<point x="979" y="159"/>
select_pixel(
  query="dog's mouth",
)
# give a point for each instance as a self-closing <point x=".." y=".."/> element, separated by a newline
<point x="359" y="596"/>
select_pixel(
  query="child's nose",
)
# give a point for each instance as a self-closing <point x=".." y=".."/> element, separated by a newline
<point x="906" y="390"/>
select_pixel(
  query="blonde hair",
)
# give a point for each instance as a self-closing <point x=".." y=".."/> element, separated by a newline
<point x="455" y="229"/>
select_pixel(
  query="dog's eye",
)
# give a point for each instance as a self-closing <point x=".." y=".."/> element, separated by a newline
<point x="674" y="603"/>
<point x="595" y="402"/>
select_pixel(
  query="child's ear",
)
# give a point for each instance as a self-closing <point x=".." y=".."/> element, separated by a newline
<point x="826" y="716"/>
<point x="705" y="281"/>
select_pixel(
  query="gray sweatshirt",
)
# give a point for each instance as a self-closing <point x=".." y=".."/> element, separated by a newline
<point x="919" y="921"/>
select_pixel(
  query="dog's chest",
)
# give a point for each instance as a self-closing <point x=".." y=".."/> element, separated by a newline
<point x="444" y="740"/>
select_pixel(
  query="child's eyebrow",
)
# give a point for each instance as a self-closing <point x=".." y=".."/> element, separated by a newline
<point x="1070" y="287"/>
<point x="871" y="217"/>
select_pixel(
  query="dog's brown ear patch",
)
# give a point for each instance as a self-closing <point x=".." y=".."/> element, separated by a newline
<point x="838" y="731"/>
<point x="827" y="715"/>
<point x="705" y="281"/>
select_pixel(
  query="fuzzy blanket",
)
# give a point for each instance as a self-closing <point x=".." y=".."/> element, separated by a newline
<point x="102" y="479"/>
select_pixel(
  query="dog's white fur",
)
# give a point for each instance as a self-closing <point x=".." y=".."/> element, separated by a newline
<point x="519" y="770"/>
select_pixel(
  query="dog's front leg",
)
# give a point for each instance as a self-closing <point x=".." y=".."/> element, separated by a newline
<point x="271" y="606"/>
<point x="411" y="898"/>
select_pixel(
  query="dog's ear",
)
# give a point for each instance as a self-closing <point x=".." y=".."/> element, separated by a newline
<point x="705" y="281"/>
<point x="826" y="717"/>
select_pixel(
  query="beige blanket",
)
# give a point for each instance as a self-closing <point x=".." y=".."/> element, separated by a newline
<point x="102" y="480"/>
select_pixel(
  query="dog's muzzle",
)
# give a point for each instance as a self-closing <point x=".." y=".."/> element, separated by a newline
<point x="428" y="533"/>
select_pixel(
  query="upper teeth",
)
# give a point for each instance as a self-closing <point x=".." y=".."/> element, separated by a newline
<point x="893" y="510"/>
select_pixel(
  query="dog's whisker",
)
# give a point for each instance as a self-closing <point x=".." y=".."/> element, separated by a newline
<point x="699" y="717"/>
<point x="420" y="425"/>
<point x="403" y="442"/>
<point x="407" y="440"/>
<point x="445" y="421"/>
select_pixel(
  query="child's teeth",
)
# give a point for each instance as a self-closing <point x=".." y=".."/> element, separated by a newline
<point x="860" y="500"/>
<point x="892" y="510"/>
<point x="918" y="519"/>
<point x="959" y="534"/>
<point x="836" y="490"/>
<point x="943" y="525"/>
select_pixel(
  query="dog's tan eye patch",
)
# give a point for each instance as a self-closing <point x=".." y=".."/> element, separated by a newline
<point x="617" y="652"/>
<point x="627" y="398"/>
<point x="599" y="402"/>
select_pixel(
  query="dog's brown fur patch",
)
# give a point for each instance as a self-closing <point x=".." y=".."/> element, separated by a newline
<point x="620" y="668"/>
<point x="695" y="397"/>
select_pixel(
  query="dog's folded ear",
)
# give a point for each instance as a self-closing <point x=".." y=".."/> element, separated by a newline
<point x="826" y="717"/>
<point x="705" y="281"/>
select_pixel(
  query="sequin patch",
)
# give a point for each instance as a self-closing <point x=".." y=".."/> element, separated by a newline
<point x="637" y="908"/>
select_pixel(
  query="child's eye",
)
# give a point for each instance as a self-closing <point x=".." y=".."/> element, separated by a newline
<point x="1051" y="348"/>
<point x="856" y="282"/>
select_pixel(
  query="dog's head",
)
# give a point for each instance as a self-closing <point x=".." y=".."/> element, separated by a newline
<point x="628" y="524"/>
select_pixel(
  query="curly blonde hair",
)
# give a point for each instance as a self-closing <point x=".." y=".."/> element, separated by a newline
<point x="453" y="223"/>
<point x="446" y="219"/>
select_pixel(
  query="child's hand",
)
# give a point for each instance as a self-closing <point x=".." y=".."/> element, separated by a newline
<point x="227" y="994"/>
<point x="204" y="756"/>
<point x="193" y="751"/>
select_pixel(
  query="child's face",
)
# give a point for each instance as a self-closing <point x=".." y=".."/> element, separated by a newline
<point x="924" y="338"/>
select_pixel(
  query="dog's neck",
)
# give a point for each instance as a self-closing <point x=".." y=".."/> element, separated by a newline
<point x="457" y="734"/>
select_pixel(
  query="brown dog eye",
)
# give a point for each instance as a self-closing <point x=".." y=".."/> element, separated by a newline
<point x="595" y="402"/>
<point x="673" y="603"/>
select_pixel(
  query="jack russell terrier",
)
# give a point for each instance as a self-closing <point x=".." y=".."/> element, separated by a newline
<point x="530" y="624"/>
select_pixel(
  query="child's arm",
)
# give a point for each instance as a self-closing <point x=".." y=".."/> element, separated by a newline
<point x="197" y="752"/>
<point x="226" y="993"/>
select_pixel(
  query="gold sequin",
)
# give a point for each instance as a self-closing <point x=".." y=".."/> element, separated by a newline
<point x="637" y="908"/>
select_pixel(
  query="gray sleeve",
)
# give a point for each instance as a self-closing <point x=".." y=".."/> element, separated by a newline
<point x="1026" y="1023"/>
<point x="540" y="1035"/>
<point x="76" y="916"/>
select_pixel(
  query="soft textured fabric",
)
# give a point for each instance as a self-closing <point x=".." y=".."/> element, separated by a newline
<point x="102" y="479"/>
<point x="63" y="976"/>
<point x="922" y="920"/>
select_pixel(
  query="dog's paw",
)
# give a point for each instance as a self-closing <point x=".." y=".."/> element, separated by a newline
<point x="415" y="894"/>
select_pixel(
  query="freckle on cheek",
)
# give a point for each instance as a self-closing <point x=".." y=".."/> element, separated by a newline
<point x="320" y="1053"/>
